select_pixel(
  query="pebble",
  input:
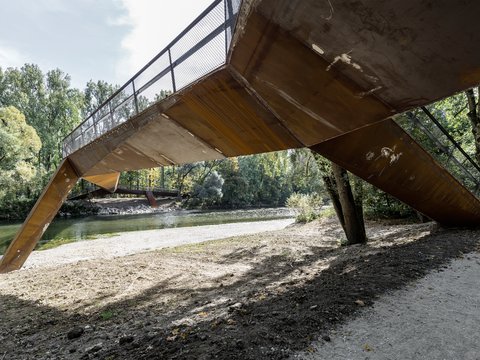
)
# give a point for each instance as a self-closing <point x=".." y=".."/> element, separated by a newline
<point x="326" y="338"/>
<point x="95" y="348"/>
<point x="75" y="333"/>
<point x="125" y="340"/>
<point x="234" y="307"/>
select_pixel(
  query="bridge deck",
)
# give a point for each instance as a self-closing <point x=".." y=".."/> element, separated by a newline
<point x="326" y="75"/>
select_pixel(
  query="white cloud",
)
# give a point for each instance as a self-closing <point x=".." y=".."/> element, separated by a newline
<point x="10" y="57"/>
<point x="153" y="25"/>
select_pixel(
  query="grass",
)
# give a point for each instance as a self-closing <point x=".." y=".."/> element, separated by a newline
<point x="51" y="244"/>
<point x="107" y="315"/>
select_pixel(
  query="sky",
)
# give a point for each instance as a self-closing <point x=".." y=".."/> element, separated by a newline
<point x="106" y="40"/>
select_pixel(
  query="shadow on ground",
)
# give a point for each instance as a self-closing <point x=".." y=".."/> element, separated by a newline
<point x="244" y="319"/>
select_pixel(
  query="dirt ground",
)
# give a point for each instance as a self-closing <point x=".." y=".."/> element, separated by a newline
<point x="258" y="296"/>
<point x="435" y="318"/>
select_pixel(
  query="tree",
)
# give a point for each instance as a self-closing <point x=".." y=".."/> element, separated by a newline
<point x="19" y="147"/>
<point x="209" y="192"/>
<point x="349" y="208"/>
<point x="95" y="94"/>
<point x="49" y="104"/>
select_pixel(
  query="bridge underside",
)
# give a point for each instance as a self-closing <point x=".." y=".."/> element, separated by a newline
<point x="308" y="73"/>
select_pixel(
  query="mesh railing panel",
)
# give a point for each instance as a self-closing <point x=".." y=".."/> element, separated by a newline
<point x="447" y="153"/>
<point x="199" y="49"/>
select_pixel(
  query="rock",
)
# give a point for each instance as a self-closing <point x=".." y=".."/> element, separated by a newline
<point x="75" y="333"/>
<point x="95" y="348"/>
<point x="360" y="302"/>
<point x="125" y="340"/>
<point x="240" y="344"/>
<point x="326" y="338"/>
<point x="236" y="306"/>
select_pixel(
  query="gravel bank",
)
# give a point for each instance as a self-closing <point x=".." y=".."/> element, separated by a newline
<point x="139" y="241"/>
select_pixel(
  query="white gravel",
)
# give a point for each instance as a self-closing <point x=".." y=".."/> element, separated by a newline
<point x="437" y="318"/>
<point x="138" y="241"/>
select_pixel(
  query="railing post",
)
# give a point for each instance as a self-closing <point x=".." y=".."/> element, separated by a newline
<point x="112" y="119"/>
<point x="95" y="127"/>
<point x="82" y="136"/>
<point x="225" y="27"/>
<point x="230" y="15"/>
<point x="171" y="70"/>
<point x="135" y="97"/>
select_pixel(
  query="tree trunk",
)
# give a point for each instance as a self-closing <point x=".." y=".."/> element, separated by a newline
<point x="358" y="200"/>
<point x="354" y="225"/>
<point x="349" y="209"/>
<point x="331" y="187"/>
<point x="162" y="177"/>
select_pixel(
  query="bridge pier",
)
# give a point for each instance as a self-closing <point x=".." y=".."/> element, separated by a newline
<point x="384" y="155"/>
<point x="40" y="217"/>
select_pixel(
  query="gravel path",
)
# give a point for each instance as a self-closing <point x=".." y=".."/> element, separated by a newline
<point x="437" y="318"/>
<point x="134" y="242"/>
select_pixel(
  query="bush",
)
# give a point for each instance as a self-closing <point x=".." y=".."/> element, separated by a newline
<point x="16" y="209"/>
<point x="77" y="208"/>
<point x="307" y="206"/>
<point x="380" y="205"/>
<point x="209" y="193"/>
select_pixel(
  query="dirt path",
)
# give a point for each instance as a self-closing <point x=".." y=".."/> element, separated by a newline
<point x="259" y="296"/>
<point x="437" y="318"/>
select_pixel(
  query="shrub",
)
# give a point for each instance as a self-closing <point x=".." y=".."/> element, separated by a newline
<point x="209" y="193"/>
<point x="307" y="206"/>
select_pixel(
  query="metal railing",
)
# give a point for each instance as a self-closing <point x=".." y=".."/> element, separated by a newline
<point x="201" y="48"/>
<point x="429" y="132"/>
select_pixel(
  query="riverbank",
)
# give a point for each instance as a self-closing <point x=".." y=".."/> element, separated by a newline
<point x="133" y="242"/>
<point x="67" y="230"/>
<point x="265" y="295"/>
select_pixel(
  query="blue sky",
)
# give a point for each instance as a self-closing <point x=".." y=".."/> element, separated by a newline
<point x="91" y="39"/>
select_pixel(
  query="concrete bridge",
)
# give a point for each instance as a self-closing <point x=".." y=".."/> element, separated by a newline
<point x="266" y="75"/>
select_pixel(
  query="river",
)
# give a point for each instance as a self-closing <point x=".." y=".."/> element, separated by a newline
<point x="78" y="229"/>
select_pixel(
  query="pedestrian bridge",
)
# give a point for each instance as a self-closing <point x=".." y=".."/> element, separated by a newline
<point x="265" y="75"/>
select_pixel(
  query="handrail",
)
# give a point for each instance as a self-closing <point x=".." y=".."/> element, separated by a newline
<point x="217" y="19"/>
<point x="446" y="149"/>
<point x="452" y="140"/>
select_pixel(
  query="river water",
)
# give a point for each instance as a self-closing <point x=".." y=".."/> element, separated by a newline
<point x="87" y="227"/>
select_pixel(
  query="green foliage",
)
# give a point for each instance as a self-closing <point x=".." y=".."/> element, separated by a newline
<point x="107" y="315"/>
<point x="452" y="113"/>
<point x="95" y="94"/>
<point x="16" y="207"/>
<point x="51" y="244"/>
<point x="307" y="206"/>
<point x="209" y="192"/>
<point x="49" y="104"/>
<point x="78" y="208"/>
<point x="19" y="147"/>
<point x="380" y="205"/>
